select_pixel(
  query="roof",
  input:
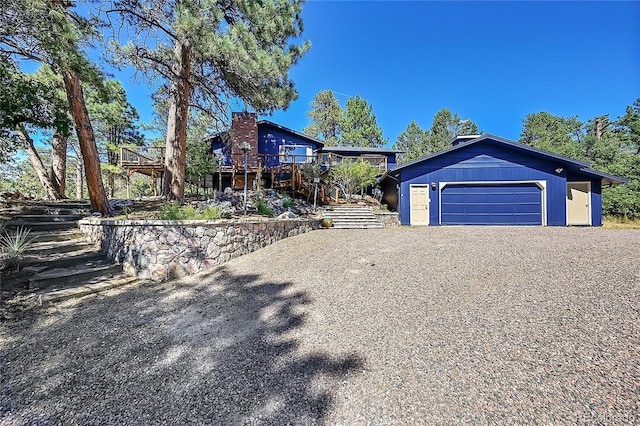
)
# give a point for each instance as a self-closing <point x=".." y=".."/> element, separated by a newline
<point x="295" y="132"/>
<point x="277" y="126"/>
<point x="580" y="165"/>
<point x="362" y="149"/>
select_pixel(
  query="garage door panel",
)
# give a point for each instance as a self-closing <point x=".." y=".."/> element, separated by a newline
<point x="491" y="204"/>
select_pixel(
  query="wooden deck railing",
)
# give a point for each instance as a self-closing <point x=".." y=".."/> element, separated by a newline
<point x="142" y="156"/>
<point x="269" y="161"/>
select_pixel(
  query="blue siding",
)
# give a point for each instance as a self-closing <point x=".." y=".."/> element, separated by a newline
<point x="490" y="161"/>
<point x="270" y="139"/>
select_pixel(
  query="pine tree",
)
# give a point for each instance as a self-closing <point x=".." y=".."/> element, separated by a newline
<point x="412" y="142"/>
<point x="359" y="126"/>
<point x="208" y="52"/>
<point x="326" y="115"/>
<point x="51" y="33"/>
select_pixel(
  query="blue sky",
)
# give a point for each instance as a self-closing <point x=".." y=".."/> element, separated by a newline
<point x="493" y="62"/>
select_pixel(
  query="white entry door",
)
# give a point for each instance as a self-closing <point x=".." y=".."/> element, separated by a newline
<point x="419" y="198"/>
<point x="578" y="203"/>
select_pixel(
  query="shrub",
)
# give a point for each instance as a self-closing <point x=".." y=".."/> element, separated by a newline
<point x="211" y="213"/>
<point x="171" y="211"/>
<point x="13" y="245"/>
<point x="263" y="209"/>
<point x="352" y="176"/>
<point x="288" y="202"/>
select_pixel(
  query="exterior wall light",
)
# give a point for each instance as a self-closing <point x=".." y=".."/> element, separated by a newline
<point x="433" y="186"/>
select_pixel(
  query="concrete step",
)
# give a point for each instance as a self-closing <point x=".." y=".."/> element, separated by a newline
<point x="53" y="247"/>
<point x="47" y="218"/>
<point x="42" y="226"/>
<point x="64" y="277"/>
<point x="50" y="236"/>
<point x="90" y="286"/>
<point x="55" y="260"/>
<point x="62" y="211"/>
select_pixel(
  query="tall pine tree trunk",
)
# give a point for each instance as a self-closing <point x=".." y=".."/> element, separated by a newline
<point x="36" y="162"/>
<point x="176" y="142"/>
<point x="59" y="162"/>
<point x="87" y="142"/>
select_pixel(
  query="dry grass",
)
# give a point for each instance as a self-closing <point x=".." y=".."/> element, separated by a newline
<point x="611" y="222"/>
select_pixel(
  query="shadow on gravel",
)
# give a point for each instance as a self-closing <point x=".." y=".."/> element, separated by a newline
<point x="222" y="350"/>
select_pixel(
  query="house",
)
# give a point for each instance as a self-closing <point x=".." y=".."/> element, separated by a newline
<point x="488" y="180"/>
<point x="277" y="154"/>
<point x="385" y="159"/>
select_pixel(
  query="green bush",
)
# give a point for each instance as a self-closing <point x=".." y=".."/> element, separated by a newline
<point x="211" y="213"/>
<point x="263" y="209"/>
<point x="288" y="202"/>
<point x="173" y="211"/>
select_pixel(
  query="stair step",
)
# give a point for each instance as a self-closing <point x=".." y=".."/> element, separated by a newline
<point x="84" y="257"/>
<point x="63" y="277"/>
<point x="56" y="211"/>
<point x="91" y="286"/>
<point x="48" y="236"/>
<point x="64" y="246"/>
<point x="37" y="218"/>
<point x="42" y="226"/>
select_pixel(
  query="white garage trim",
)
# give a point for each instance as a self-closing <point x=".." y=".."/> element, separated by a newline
<point x="542" y="184"/>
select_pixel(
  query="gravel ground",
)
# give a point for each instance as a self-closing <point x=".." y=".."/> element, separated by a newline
<point x="430" y="326"/>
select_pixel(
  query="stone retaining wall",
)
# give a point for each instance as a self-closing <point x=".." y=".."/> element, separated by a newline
<point x="160" y="250"/>
<point x="388" y="218"/>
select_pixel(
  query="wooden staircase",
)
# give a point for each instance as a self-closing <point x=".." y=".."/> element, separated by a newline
<point x="352" y="217"/>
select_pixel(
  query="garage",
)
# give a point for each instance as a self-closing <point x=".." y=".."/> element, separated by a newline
<point x="491" y="204"/>
<point x="488" y="180"/>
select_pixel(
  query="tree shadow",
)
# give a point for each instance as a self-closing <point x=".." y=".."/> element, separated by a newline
<point x="218" y="348"/>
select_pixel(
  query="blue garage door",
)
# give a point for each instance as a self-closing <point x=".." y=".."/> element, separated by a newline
<point x="491" y="204"/>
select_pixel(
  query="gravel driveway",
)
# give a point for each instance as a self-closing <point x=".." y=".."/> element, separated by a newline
<point x="438" y="325"/>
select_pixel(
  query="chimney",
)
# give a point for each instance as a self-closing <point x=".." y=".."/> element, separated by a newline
<point x="462" y="139"/>
<point x="244" y="128"/>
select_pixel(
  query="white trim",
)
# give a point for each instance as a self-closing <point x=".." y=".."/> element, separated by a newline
<point x="542" y="184"/>
<point x="566" y="203"/>
<point x="422" y="185"/>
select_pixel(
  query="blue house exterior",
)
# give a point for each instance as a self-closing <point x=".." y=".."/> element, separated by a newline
<point x="385" y="158"/>
<point x="488" y="180"/>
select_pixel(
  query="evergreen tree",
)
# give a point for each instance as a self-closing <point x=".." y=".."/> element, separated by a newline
<point x="208" y="52"/>
<point x="412" y="142"/>
<point x="326" y="115"/>
<point x="115" y="122"/>
<point x="445" y="127"/>
<point x="359" y="126"/>
<point x="553" y="133"/>
<point x="52" y="33"/>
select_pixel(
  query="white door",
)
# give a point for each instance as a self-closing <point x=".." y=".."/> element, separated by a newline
<point x="419" y="199"/>
<point x="578" y="203"/>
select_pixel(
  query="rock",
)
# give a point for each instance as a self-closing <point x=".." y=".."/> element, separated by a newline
<point x="96" y="214"/>
<point x="287" y="215"/>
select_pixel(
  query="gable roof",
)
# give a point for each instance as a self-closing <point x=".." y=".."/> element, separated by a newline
<point x="580" y="165"/>
<point x="361" y="149"/>
<point x="293" y="132"/>
<point x="276" y="126"/>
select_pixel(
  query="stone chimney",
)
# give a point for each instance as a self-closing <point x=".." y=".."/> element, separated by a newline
<point x="244" y="128"/>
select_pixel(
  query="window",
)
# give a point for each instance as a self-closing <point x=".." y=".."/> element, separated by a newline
<point x="298" y="154"/>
